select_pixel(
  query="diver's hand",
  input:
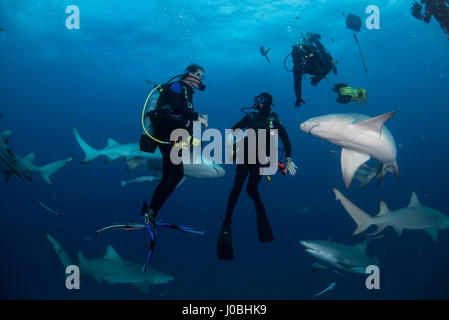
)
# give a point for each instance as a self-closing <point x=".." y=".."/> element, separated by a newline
<point x="315" y="80"/>
<point x="290" y="166"/>
<point x="204" y="119"/>
<point x="416" y="10"/>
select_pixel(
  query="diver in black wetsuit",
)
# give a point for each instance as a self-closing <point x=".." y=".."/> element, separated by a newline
<point x="437" y="8"/>
<point x="175" y="110"/>
<point x="263" y="119"/>
<point x="312" y="58"/>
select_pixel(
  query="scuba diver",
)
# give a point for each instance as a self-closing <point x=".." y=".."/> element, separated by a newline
<point x="312" y="58"/>
<point x="437" y="8"/>
<point x="173" y="110"/>
<point x="347" y="94"/>
<point x="264" y="119"/>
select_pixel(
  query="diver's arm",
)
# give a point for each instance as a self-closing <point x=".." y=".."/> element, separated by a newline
<point x="285" y="140"/>
<point x="178" y="102"/>
<point x="242" y="124"/>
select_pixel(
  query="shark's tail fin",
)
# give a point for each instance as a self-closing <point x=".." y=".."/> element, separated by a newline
<point x="49" y="169"/>
<point x="62" y="255"/>
<point x="90" y="153"/>
<point x="360" y="217"/>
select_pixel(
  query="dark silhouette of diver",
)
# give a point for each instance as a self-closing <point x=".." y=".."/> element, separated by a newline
<point x="264" y="119"/>
<point x="439" y="9"/>
<point x="312" y="58"/>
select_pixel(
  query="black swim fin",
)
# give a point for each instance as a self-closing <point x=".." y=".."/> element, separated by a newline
<point x="264" y="227"/>
<point x="224" y="244"/>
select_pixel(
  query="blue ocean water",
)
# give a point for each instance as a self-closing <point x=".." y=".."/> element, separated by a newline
<point x="52" y="78"/>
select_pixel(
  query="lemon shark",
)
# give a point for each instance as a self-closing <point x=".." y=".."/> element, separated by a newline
<point x="12" y="164"/>
<point x="112" y="268"/>
<point x="134" y="157"/>
<point x="414" y="217"/>
<point x="339" y="256"/>
<point x="361" y="139"/>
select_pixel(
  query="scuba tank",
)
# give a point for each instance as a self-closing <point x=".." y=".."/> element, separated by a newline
<point x="147" y="143"/>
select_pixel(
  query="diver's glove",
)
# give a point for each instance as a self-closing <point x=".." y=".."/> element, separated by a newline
<point x="315" y="80"/>
<point x="290" y="166"/>
<point x="416" y="10"/>
<point x="204" y="119"/>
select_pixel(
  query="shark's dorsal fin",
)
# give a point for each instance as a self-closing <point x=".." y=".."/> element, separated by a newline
<point x="350" y="162"/>
<point x="383" y="209"/>
<point x="6" y="135"/>
<point x="112" y="143"/>
<point x="111" y="254"/>
<point x="375" y="124"/>
<point x="30" y="157"/>
<point x="414" y="202"/>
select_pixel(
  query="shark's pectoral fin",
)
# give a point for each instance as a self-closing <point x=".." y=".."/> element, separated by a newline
<point x="143" y="287"/>
<point x="316" y="266"/>
<point x="339" y="273"/>
<point x="110" y="159"/>
<point x="7" y="175"/>
<point x="98" y="279"/>
<point x="358" y="269"/>
<point x="180" y="182"/>
<point x="350" y="162"/>
<point x="398" y="230"/>
<point x="433" y="232"/>
<point x="131" y="164"/>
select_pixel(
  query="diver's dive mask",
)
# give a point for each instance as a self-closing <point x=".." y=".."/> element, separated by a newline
<point x="265" y="100"/>
<point x="197" y="79"/>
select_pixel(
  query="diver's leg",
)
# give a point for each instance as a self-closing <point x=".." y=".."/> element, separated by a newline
<point x="172" y="175"/>
<point x="263" y="225"/>
<point x="297" y="81"/>
<point x="240" y="177"/>
<point x="224" y="243"/>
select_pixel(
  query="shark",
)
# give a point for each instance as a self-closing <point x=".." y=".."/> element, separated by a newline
<point x="264" y="53"/>
<point x="12" y="164"/>
<point x="141" y="179"/>
<point x="112" y="268"/>
<point x="134" y="157"/>
<point x="339" y="256"/>
<point x="361" y="138"/>
<point x="414" y="217"/>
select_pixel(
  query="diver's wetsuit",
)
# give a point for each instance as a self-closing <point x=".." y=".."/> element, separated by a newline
<point x="254" y="120"/>
<point x="437" y="8"/>
<point x="310" y="58"/>
<point x="178" y="97"/>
